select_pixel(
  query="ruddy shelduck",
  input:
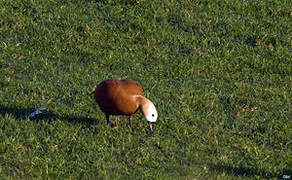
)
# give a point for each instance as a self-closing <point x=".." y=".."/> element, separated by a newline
<point x="124" y="97"/>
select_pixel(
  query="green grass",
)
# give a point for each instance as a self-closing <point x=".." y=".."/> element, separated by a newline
<point x="219" y="73"/>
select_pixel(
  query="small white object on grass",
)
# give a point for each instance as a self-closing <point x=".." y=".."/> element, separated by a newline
<point x="37" y="111"/>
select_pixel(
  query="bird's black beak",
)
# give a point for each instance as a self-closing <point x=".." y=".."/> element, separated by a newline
<point x="151" y="126"/>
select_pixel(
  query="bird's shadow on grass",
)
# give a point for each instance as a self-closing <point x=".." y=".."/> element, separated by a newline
<point x="24" y="113"/>
<point x="247" y="172"/>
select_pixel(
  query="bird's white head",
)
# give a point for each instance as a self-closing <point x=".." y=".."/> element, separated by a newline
<point x="149" y="111"/>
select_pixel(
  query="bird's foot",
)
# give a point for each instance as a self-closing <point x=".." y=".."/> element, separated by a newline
<point x="112" y="125"/>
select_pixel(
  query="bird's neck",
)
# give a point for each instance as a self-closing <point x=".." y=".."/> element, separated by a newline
<point x="141" y="100"/>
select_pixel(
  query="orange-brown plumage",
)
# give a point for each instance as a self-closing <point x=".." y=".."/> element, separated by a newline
<point x="115" y="96"/>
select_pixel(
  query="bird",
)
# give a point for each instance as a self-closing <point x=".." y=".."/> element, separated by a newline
<point x="124" y="97"/>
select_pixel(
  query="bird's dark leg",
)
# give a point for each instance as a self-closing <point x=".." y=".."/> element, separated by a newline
<point x="131" y="120"/>
<point x="107" y="119"/>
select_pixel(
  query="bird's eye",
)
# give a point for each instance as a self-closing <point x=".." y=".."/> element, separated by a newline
<point x="152" y="115"/>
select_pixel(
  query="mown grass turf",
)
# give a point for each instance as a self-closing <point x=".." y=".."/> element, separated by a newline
<point x="219" y="73"/>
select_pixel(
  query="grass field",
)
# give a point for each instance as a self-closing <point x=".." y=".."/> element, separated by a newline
<point x="219" y="73"/>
